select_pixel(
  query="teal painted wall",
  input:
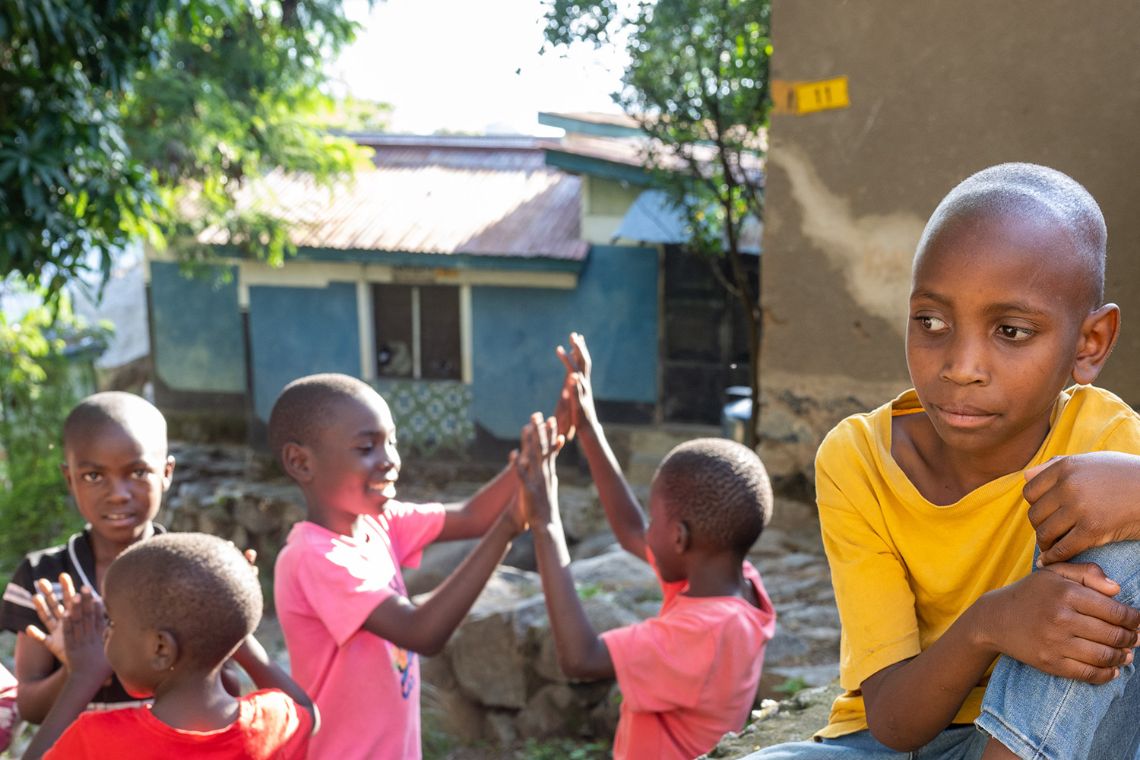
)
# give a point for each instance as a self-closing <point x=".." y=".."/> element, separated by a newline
<point x="299" y="331"/>
<point x="514" y="332"/>
<point x="197" y="329"/>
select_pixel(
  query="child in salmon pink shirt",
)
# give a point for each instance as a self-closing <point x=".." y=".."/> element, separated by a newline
<point x="690" y="674"/>
<point x="353" y="633"/>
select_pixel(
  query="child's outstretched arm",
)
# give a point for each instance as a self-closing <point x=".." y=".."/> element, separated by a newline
<point x="624" y="514"/>
<point x="581" y="653"/>
<point x="472" y="518"/>
<point x="87" y="669"/>
<point x="266" y="674"/>
<point x="426" y="627"/>
<point x="1082" y="501"/>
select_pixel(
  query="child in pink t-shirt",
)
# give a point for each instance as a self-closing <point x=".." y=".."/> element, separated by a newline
<point x="688" y="675"/>
<point x="353" y="633"/>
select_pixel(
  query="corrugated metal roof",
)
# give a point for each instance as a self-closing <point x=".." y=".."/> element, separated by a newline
<point x="490" y="197"/>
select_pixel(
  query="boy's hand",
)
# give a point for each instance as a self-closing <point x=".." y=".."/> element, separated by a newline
<point x="83" y="630"/>
<point x="1082" y="501"/>
<point x="538" y="479"/>
<point x="1064" y="621"/>
<point x="53" y="611"/>
<point x="577" y="397"/>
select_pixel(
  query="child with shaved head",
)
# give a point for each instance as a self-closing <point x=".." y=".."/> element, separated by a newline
<point x="936" y="507"/>
<point x="117" y="469"/>
<point x="177" y="607"/>
<point x="688" y="675"/>
<point x="354" y="634"/>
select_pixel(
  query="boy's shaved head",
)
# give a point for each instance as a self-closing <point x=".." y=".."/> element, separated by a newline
<point x="125" y="410"/>
<point x="1038" y="193"/>
<point x="305" y="405"/>
<point x="720" y="489"/>
<point x="198" y="587"/>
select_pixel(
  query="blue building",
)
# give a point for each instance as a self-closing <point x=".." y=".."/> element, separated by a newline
<point x="445" y="276"/>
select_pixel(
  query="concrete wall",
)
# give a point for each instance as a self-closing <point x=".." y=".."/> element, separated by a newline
<point x="515" y="331"/>
<point x="938" y="90"/>
<point x="198" y="343"/>
<point x="299" y="331"/>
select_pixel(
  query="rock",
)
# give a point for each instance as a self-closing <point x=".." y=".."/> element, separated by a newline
<point x="452" y="712"/>
<point x="582" y="513"/>
<point x="595" y="545"/>
<point x="499" y="727"/>
<point x="487" y="655"/>
<point x="553" y="710"/>
<point x="438" y="562"/>
<point x="613" y="571"/>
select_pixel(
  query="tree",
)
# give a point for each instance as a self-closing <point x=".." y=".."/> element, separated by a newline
<point x="697" y="85"/>
<point x="144" y="118"/>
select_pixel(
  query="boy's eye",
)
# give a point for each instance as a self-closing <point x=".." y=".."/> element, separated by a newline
<point x="365" y="448"/>
<point x="1013" y="332"/>
<point x="91" y="477"/>
<point x="931" y="324"/>
<point x="140" y="473"/>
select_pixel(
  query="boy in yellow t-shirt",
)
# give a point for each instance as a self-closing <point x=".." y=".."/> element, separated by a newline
<point x="930" y="525"/>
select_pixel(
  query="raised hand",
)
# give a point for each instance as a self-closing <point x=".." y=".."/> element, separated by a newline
<point x="52" y="611"/>
<point x="1064" y="621"/>
<point x="1081" y="501"/>
<point x="577" y="394"/>
<point x="538" y="479"/>
<point x="83" y="631"/>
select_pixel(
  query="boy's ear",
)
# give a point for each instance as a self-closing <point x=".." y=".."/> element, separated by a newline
<point x="163" y="650"/>
<point x="167" y="472"/>
<point x="1098" y="336"/>
<point x="297" y="461"/>
<point x="682" y="537"/>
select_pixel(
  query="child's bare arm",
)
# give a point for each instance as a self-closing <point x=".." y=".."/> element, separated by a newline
<point x="265" y="674"/>
<point x="1082" y="501"/>
<point x="40" y="682"/>
<point x="581" y="654"/>
<point x="624" y="514"/>
<point x="1063" y="622"/>
<point x="426" y="627"/>
<point x="87" y="670"/>
<point x="473" y="517"/>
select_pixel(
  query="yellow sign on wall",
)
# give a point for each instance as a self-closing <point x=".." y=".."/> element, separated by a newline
<point x="809" y="97"/>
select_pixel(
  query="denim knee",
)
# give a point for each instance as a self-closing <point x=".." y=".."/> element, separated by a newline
<point x="1041" y="716"/>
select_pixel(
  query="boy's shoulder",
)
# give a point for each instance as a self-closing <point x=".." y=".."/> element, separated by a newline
<point x="866" y="431"/>
<point x="1089" y="418"/>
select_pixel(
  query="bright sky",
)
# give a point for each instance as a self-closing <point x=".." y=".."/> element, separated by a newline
<point x="470" y="65"/>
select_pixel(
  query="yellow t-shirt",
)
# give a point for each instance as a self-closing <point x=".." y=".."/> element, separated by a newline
<point x="903" y="568"/>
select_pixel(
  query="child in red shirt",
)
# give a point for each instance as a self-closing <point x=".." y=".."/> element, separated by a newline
<point x="689" y="675"/>
<point x="178" y="606"/>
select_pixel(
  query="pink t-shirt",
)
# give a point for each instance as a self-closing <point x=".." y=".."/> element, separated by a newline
<point x="689" y="675"/>
<point x="325" y="586"/>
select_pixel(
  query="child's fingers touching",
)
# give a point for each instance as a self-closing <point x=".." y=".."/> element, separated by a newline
<point x="36" y="633"/>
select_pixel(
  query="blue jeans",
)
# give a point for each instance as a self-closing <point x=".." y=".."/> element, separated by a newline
<point x="1041" y="717"/>
<point x="955" y="743"/>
